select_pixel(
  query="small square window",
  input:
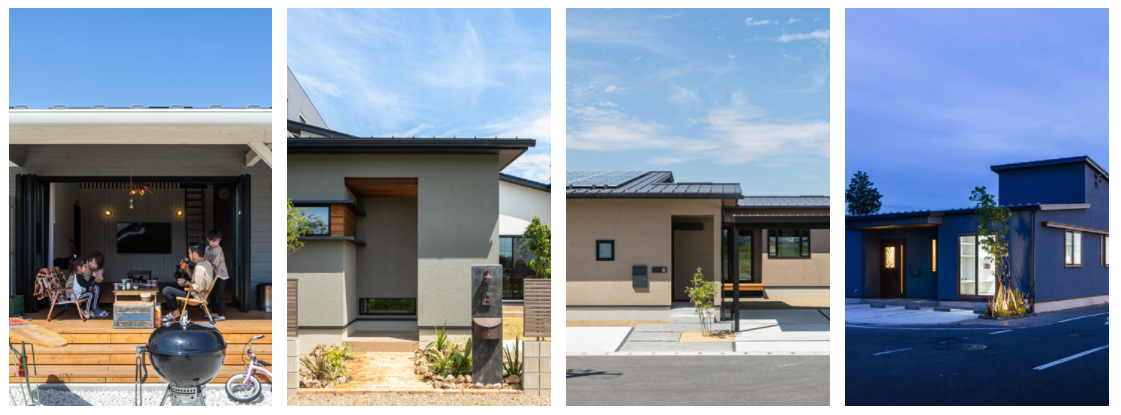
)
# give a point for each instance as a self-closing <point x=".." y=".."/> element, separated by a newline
<point x="605" y="250"/>
<point x="318" y="220"/>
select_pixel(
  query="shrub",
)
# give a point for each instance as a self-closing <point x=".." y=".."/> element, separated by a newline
<point x="512" y="360"/>
<point x="702" y="294"/>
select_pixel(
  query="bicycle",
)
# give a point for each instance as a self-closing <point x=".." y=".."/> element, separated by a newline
<point x="244" y="387"/>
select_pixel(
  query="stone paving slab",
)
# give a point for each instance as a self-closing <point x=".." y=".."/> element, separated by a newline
<point x="655" y="336"/>
<point x="783" y="332"/>
<point x="686" y="347"/>
<point x="782" y="317"/>
<point x="679" y="327"/>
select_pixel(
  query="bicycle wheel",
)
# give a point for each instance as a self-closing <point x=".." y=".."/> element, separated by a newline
<point x="240" y="390"/>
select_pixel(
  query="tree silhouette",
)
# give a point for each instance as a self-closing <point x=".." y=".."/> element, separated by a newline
<point x="861" y="197"/>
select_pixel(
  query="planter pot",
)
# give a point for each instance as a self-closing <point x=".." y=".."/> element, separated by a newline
<point x="15" y="305"/>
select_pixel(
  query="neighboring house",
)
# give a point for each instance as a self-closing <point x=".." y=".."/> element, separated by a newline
<point x="300" y="107"/>
<point x="1059" y="239"/>
<point x="519" y="200"/>
<point x="204" y="168"/>
<point x="635" y="239"/>
<point x="397" y="225"/>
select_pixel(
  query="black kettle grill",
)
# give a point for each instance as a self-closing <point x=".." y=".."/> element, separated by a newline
<point x="186" y="355"/>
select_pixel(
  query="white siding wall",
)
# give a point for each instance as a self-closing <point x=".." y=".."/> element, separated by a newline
<point x="517" y="205"/>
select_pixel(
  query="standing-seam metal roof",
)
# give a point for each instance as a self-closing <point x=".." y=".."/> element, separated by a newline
<point x="784" y="202"/>
<point x="648" y="185"/>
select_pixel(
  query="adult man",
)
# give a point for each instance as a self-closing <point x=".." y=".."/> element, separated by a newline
<point x="202" y="278"/>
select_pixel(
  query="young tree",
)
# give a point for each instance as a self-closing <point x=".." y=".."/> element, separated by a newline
<point x="702" y="293"/>
<point x="861" y="197"/>
<point x="992" y="234"/>
<point x="297" y="227"/>
<point x="537" y="239"/>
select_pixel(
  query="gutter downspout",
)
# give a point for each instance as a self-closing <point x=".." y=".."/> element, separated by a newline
<point x="1032" y="261"/>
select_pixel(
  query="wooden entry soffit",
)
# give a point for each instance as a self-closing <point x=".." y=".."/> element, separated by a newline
<point x="385" y="187"/>
<point x="1074" y="228"/>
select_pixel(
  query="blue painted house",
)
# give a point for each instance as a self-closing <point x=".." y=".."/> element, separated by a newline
<point x="1059" y="238"/>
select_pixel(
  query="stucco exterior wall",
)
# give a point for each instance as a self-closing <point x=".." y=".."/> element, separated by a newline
<point x="299" y="103"/>
<point x="387" y="265"/>
<point x="165" y="160"/>
<point x="517" y="205"/>
<point x="321" y="268"/>
<point x="798" y="272"/>
<point x="642" y="230"/>
<point x="457" y="218"/>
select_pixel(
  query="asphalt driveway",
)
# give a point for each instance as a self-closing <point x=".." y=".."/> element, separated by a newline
<point x="1054" y="359"/>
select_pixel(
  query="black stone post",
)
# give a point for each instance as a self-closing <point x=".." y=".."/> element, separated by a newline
<point x="486" y="324"/>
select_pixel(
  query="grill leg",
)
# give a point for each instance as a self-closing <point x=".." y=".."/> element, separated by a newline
<point x="165" y="393"/>
<point x="202" y="396"/>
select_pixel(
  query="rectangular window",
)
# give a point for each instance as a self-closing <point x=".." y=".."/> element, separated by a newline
<point x="1105" y="251"/>
<point x="318" y="220"/>
<point x="1072" y="249"/>
<point x="387" y="306"/>
<point x="933" y="255"/>
<point x="977" y="271"/>
<point x="514" y="257"/>
<point x="605" y="250"/>
<point x="788" y="243"/>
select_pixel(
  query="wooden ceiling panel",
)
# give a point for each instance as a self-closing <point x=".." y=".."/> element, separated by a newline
<point x="384" y="187"/>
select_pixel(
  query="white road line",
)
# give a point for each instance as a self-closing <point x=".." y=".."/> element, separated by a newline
<point x="890" y="351"/>
<point x="1002" y="331"/>
<point x="1076" y="318"/>
<point x="924" y="328"/>
<point x="1067" y="359"/>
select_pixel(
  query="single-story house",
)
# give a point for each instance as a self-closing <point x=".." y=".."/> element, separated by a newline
<point x="635" y="239"/>
<point x="1059" y="240"/>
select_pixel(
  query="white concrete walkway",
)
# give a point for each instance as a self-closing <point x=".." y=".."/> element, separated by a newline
<point x="898" y="316"/>
<point x="594" y="339"/>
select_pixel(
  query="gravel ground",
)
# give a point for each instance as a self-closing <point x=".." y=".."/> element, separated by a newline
<point x="403" y="399"/>
<point x="55" y="397"/>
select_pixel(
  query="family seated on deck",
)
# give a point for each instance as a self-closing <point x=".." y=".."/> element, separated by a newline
<point x="205" y="267"/>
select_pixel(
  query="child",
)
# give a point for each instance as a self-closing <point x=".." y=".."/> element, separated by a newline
<point x="216" y="258"/>
<point x="90" y="278"/>
<point x="73" y="278"/>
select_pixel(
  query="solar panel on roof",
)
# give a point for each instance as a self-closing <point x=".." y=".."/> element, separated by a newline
<point x="600" y="178"/>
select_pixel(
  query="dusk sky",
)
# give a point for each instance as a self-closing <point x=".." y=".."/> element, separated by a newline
<point x="153" y="57"/>
<point x="737" y="95"/>
<point x="429" y="72"/>
<point x="934" y="97"/>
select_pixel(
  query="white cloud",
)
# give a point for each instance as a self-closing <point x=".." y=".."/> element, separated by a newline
<point x="534" y="165"/>
<point x="752" y="22"/>
<point x="317" y="84"/>
<point x="417" y="129"/>
<point x="732" y="134"/>
<point x="610" y="88"/>
<point x="793" y="20"/>
<point x="822" y="35"/>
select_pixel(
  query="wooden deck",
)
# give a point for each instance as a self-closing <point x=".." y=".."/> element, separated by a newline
<point x="98" y="353"/>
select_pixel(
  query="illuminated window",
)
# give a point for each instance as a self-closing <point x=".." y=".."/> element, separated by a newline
<point x="1072" y="249"/>
<point x="933" y="255"/>
<point x="889" y="257"/>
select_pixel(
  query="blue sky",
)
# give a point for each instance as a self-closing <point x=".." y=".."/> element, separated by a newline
<point x="121" y="57"/>
<point x="934" y="97"/>
<point x="429" y="72"/>
<point x="738" y="95"/>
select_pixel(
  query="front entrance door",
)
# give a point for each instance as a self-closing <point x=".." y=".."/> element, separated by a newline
<point x="892" y="282"/>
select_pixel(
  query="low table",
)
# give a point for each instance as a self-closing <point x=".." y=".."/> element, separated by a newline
<point x="136" y="308"/>
<point x="138" y="293"/>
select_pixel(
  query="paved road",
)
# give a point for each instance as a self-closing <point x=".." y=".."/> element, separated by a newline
<point x="698" y="380"/>
<point x="885" y="366"/>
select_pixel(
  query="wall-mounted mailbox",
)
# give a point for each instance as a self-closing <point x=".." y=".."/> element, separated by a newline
<point x="638" y="276"/>
<point x="659" y="270"/>
<point x="487" y="328"/>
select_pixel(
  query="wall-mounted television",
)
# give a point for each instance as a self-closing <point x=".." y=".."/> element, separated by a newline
<point x="143" y="238"/>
